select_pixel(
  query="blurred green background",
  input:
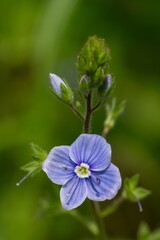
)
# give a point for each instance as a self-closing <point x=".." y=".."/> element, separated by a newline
<point x="38" y="37"/>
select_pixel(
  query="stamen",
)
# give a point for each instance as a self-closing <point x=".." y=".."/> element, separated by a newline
<point x="82" y="170"/>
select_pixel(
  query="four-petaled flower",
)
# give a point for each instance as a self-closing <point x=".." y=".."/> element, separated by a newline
<point x="84" y="169"/>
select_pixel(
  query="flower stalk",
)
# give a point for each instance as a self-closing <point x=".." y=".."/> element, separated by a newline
<point x="95" y="205"/>
<point x="88" y="113"/>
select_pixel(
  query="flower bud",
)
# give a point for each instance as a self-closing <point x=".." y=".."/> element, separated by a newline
<point x="108" y="81"/>
<point x="60" y="88"/>
<point x="56" y="84"/>
<point x="106" y="88"/>
<point x="94" y="61"/>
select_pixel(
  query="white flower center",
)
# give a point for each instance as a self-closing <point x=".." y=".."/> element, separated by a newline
<point x="82" y="171"/>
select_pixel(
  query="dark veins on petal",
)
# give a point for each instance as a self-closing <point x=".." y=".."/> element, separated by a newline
<point x="92" y="184"/>
<point x="71" y="191"/>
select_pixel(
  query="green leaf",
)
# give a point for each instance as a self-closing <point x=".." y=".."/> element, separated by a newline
<point x="133" y="193"/>
<point x="155" y="235"/>
<point x="119" y="109"/>
<point x="143" y="232"/>
<point x="133" y="181"/>
<point x="34" y="167"/>
<point x="141" y="193"/>
<point x="38" y="153"/>
<point x="130" y="185"/>
<point x="113" y="112"/>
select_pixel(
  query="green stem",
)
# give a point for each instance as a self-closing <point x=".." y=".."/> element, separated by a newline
<point x="102" y="231"/>
<point x="74" y="109"/>
<point x="95" y="205"/>
<point x="111" y="208"/>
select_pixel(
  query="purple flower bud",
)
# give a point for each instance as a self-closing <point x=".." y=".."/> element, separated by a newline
<point x="56" y="83"/>
<point x="108" y="81"/>
<point x="84" y="78"/>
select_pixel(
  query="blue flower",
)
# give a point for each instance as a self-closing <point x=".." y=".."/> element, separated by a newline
<point x="84" y="169"/>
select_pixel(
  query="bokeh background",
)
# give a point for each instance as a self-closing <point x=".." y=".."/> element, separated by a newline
<point x="38" y="37"/>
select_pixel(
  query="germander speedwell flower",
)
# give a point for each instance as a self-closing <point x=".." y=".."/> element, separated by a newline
<point x="84" y="169"/>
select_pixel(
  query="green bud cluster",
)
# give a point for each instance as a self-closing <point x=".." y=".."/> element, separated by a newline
<point x="93" y="63"/>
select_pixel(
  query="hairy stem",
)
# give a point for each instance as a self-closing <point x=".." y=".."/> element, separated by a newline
<point x="96" y="107"/>
<point x="88" y="113"/>
<point x="95" y="205"/>
<point x="100" y="222"/>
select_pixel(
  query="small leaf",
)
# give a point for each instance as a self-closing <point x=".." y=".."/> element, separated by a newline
<point x="38" y="153"/>
<point x="30" y="166"/>
<point x="141" y="193"/>
<point x="155" y="235"/>
<point x="113" y="112"/>
<point x="133" y="181"/>
<point x="34" y="167"/>
<point x="143" y="232"/>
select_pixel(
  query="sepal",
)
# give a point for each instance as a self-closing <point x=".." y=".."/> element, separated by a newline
<point x="106" y="88"/>
<point x="133" y="192"/>
<point x="33" y="167"/>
